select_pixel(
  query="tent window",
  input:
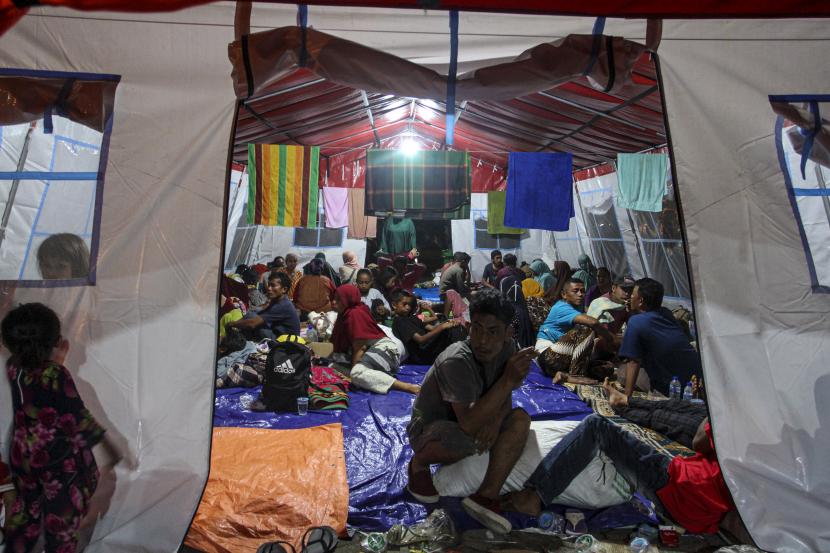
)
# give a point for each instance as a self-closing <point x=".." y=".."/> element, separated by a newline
<point x="243" y="241"/>
<point x="802" y="133"/>
<point x="487" y="241"/>
<point x="318" y="237"/>
<point x="662" y="247"/>
<point x="600" y="219"/>
<point x="54" y="134"/>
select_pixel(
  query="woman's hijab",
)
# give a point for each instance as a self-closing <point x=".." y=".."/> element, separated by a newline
<point x="532" y="289"/>
<point x="587" y="273"/>
<point x="350" y="260"/>
<point x="354" y="321"/>
<point x="542" y="274"/>
<point x="562" y="273"/>
<point x="315" y="267"/>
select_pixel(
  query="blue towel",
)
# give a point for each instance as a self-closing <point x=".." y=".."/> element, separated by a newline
<point x="641" y="181"/>
<point x="539" y="191"/>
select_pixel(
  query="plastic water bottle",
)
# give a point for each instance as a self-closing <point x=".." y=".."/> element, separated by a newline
<point x="639" y="545"/>
<point x="551" y="522"/>
<point x="687" y="392"/>
<point x="674" y="388"/>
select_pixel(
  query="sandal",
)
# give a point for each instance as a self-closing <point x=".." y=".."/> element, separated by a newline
<point x="319" y="539"/>
<point x="275" y="547"/>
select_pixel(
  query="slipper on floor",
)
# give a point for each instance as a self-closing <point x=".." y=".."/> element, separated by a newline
<point x="276" y="547"/>
<point x="319" y="539"/>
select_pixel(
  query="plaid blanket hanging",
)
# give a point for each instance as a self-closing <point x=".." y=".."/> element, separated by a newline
<point x="425" y="184"/>
<point x="282" y="185"/>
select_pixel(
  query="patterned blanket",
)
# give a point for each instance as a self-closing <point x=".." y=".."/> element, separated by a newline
<point x="594" y="395"/>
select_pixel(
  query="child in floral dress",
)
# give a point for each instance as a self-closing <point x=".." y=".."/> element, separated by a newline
<point x="52" y="466"/>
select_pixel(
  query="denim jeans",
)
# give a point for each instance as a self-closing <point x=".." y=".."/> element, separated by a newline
<point x="642" y="465"/>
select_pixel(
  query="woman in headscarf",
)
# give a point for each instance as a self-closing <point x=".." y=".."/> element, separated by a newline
<point x="314" y="291"/>
<point x="542" y="275"/>
<point x="375" y="358"/>
<point x="511" y="288"/>
<point x="348" y="271"/>
<point x="562" y="272"/>
<point x="587" y="273"/>
<point x="328" y="270"/>
<point x="532" y="289"/>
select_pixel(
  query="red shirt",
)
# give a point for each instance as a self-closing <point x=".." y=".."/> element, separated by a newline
<point x="696" y="495"/>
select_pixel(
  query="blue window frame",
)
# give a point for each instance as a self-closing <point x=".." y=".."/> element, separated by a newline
<point x="52" y="175"/>
<point x="802" y="138"/>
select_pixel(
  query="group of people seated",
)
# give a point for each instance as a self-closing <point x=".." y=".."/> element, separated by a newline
<point x="377" y="320"/>
<point x="464" y="408"/>
<point x="585" y="325"/>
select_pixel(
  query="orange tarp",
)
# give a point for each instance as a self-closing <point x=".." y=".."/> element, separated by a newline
<point x="268" y="485"/>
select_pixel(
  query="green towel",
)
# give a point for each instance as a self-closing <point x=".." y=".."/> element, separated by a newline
<point x="641" y="181"/>
<point x="495" y="215"/>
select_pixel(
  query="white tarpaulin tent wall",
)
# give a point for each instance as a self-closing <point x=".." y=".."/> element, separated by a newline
<point x="144" y="336"/>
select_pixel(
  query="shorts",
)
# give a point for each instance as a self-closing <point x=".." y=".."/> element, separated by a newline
<point x="447" y="433"/>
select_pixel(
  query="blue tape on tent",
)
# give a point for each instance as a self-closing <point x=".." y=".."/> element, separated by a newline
<point x="302" y="21"/>
<point x="451" y="77"/>
<point x="375" y="441"/>
<point x="599" y="28"/>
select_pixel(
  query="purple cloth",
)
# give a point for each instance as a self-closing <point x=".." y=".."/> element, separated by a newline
<point x="539" y="191"/>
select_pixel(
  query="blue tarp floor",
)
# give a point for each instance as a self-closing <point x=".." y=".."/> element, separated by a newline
<point x="377" y="449"/>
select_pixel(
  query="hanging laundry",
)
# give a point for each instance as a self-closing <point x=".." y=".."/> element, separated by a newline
<point x="539" y="191"/>
<point x="336" y="206"/>
<point x="424" y="184"/>
<point x="282" y="185"/>
<point x="495" y="214"/>
<point x="641" y="181"/>
<point x="361" y="226"/>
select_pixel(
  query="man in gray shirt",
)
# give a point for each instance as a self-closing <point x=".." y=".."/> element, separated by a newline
<point x="465" y="407"/>
<point x="456" y="276"/>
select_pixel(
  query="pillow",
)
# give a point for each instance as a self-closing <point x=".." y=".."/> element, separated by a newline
<point x="593" y="488"/>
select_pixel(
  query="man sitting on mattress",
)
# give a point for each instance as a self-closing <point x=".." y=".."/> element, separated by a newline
<point x="465" y="407"/>
<point x="691" y="490"/>
<point x="655" y="341"/>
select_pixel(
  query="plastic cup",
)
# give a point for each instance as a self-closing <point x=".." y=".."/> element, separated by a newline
<point x="302" y="405"/>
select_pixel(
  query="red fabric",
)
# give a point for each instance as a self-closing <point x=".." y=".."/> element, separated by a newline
<point x="696" y="495"/>
<point x="354" y="322"/>
<point x="614" y="8"/>
<point x="260" y="268"/>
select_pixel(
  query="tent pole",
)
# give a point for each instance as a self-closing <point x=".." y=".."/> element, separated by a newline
<point x="21" y="162"/>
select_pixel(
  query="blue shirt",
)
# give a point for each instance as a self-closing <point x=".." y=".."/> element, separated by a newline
<point x="560" y="320"/>
<point x="663" y="349"/>
<point x="281" y="317"/>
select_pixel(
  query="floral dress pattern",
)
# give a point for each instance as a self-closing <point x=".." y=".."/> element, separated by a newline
<point x="51" y="460"/>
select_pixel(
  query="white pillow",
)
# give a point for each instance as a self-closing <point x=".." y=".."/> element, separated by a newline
<point x="589" y="490"/>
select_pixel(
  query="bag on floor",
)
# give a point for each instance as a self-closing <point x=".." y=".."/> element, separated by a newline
<point x="328" y="390"/>
<point x="287" y="373"/>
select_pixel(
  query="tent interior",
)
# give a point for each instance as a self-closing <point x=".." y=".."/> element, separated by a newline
<point x="130" y="132"/>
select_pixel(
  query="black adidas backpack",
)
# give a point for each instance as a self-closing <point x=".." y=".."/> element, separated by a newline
<point x="287" y="373"/>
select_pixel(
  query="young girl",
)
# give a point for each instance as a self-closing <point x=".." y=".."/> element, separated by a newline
<point x="52" y="466"/>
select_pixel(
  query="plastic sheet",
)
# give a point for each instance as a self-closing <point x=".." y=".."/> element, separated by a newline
<point x="375" y="441"/>
<point x="428" y="294"/>
<point x="268" y="485"/>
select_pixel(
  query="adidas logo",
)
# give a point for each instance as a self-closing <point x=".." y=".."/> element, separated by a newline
<point x="285" y="368"/>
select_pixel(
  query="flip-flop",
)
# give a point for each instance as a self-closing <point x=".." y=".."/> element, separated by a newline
<point x="275" y="547"/>
<point x="319" y="539"/>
